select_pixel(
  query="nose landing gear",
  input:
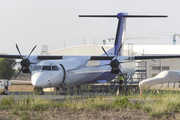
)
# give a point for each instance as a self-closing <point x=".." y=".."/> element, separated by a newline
<point x="38" y="91"/>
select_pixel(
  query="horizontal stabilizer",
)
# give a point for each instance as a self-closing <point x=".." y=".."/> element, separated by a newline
<point x="120" y="15"/>
<point x="97" y="15"/>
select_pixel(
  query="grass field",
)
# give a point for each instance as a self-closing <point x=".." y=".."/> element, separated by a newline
<point x="165" y="105"/>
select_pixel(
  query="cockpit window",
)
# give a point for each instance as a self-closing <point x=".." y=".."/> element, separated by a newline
<point x="46" y="68"/>
<point x="37" y="68"/>
<point x="55" y="68"/>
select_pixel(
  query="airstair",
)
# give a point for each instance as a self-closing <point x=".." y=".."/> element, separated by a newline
<point x="140" y="73"/>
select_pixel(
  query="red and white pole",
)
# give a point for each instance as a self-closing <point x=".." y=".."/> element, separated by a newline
<point x="140" y="92"/>
<point x="118" y="92"/>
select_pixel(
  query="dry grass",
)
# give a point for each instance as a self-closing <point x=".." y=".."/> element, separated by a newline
<point x="146" y="107"/>
<point x="77" y="115"/>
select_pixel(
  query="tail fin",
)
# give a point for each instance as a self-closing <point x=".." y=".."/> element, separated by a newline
<point x="121" y="27"/>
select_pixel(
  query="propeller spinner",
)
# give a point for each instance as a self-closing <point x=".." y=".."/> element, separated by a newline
<point x="25" y="61"/>
<point x="114" y="63"/>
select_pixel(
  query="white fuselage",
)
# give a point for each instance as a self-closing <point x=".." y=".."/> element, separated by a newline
<point x="51" y="73"/>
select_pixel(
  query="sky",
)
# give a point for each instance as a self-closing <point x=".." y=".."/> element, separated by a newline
<point x="51" y="22"/>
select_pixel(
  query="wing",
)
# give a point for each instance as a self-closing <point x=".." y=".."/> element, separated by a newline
<point x="155" y="57"/>
<point x="10" y="56"/>
<point x="135" y="57"/>
<point x="49" y="57"/>
<point x="55" y="57"/>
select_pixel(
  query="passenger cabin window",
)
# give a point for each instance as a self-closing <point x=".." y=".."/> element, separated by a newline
<point x="37" y="68"/>
<point x="55" y="68"/>
<point x="46" y="68"/>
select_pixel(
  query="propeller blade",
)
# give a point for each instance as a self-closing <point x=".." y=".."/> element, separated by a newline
<point x="32" y="51"/>
<point x="102" y="65"/>
<point x="109" y="76"/>
<point x="18" y="50"/>
<point x="19" y="72"/>
<point x="105" y="52"/>
<point x="33" y="63"/>
<point x="120" y="71"/>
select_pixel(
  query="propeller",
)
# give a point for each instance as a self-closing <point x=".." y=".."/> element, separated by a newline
<point x="114" y="62"/>
<point x="25" y="61"/>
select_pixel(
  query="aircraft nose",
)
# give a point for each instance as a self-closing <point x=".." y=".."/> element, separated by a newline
<point x="37" y="80"/>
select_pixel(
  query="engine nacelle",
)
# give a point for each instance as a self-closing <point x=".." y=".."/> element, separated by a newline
<point x="127" y="66"/>
<point x="115" y="71"/>
<point x="25" y="70"/>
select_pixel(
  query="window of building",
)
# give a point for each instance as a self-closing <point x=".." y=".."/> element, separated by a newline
<point x="159" y="68"/>
<point x="165" y="68"/>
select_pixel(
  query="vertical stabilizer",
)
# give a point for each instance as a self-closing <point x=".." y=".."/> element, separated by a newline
<point x="121" y="28"/>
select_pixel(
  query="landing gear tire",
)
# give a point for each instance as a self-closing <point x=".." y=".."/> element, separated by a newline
<point x="78" y="90"/>
<point x="3" y="93"/>
<point x="57" y="90"/>
<point x="38" y="91"/>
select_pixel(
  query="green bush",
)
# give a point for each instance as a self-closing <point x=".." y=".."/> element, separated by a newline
<point x="7" y="101"/>
<point x="39" y="107"/>
<point x="99" y="106"/>
<point x="173" y="106"/>
<point x="25" y="116"/>
<point x="15" y="112"/>
<point x="26" y="101"/>
<point x="21" y="107"/>
<point x="157" y="114"/>
<point x="146" y="109"/>
<point x="122" y="103"/>
<point x="39" y="117"/>
<point x="60" y="104"/>
<point x="137" y="105"/>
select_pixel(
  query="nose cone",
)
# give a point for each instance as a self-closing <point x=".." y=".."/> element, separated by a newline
<point x="37" y="80"/>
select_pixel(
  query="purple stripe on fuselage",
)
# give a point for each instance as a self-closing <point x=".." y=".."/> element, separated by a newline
<point x="104" y="76"/>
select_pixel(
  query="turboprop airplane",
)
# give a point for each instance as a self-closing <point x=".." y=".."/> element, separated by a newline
<point x="61" y="71"/>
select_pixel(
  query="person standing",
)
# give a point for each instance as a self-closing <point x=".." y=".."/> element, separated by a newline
<point x="121" y="80"/>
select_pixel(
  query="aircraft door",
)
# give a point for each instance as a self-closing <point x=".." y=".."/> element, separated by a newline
<point x="64" y="73"/>
<point x="53" y="74"/>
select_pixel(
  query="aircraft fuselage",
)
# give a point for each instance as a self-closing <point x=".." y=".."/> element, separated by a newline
<point x="51" y="73"/>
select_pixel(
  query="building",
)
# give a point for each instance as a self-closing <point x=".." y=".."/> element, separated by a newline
<point x="154" y="67"/>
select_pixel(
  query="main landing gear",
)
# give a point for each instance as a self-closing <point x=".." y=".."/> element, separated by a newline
<point x="38" y="91"/>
